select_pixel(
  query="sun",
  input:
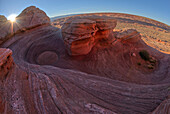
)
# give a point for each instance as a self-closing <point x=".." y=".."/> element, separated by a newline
<point x="12" y="17"/>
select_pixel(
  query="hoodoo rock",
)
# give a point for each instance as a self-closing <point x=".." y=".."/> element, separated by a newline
<point x="105" y="27"/>
<point x="81" y="34"/>
<point x="29" y="18"/>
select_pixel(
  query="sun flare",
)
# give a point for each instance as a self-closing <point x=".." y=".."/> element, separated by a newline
<point x="12" y="17"/>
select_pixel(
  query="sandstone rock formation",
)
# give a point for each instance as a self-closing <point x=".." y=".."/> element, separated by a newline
<point x="6" y="62"/>
<point x="128" y="34"/>
<point x="107" y="79"/>
<point x="80" y="35"/>
<point x="154" y="33"/>
<point x="163" y="108"/>
<point x="2" y="19"/>
<point x="29" y="18"/>
<point x="4" y="28"/>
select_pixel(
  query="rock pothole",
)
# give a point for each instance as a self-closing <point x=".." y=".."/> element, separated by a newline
<point x="47" y="58"/>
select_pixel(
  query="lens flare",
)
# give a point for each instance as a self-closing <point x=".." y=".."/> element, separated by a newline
<point x="12" y="17"/>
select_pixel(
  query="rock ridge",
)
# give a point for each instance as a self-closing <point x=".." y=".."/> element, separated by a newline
<point x="29" y="18"/>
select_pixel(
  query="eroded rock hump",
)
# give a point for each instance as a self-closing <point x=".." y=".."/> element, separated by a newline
<point x="130" y="35"/>
<point x="2" y="19"/>
<point x="81" y="34"/>
<point x="4" y="28"/>
<point x="29" y="18"/>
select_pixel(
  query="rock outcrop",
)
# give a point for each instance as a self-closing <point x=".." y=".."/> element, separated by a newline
<point x="2" y="19"/>
<point x="78" y="35"/>
<point x="81" y="34"/>
<point x="6" y="61"/>
<point x="4" y="28"/>
<point x="29" y="18"/>
<point x="105" y="79"/>
<point x="130" y="35"/>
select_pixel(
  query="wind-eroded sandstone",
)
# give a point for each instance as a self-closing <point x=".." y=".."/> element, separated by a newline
<point x="6" y="61"/>
<point x="81" y="34"/>
<point x="107" y="78"/>
<point x="27" y="19"/>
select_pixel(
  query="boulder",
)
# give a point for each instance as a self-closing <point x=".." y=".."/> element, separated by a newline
<point x="130" y="35"/>
<point x="47" y="58"/>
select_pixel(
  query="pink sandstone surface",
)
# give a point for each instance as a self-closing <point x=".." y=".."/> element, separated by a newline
<point x="84" y="67"/>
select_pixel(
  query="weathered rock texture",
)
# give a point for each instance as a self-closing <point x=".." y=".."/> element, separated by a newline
<point x="4" y="28"/>
<point x="6" y="62"/>
<point x="81" y="34"/>
<point x="29" y="18"/>
<point x="106" y="80"/>
<point x="128" y="34"/>
<point x="163" y="108"/>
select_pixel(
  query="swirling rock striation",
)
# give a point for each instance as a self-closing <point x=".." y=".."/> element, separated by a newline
<point x="163" y="108"/>
<point x="105" y="79"/>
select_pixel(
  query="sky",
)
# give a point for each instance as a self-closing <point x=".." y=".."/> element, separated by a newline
<point x="155" y="9"/>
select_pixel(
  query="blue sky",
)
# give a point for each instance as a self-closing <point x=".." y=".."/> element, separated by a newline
<point x="155" y="9"/>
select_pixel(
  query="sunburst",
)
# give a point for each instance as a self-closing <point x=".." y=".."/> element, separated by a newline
<point x="12" y="17"/>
